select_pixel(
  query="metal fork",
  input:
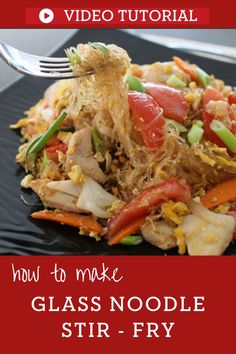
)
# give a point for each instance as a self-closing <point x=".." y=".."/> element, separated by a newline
<point x="44" y="67"/>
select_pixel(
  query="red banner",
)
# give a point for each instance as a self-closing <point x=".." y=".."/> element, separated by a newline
<point x="85" y="304"/>
<point x="110" y="13"/>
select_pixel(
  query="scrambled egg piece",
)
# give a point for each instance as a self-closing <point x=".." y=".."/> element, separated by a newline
<point x="174" y="211"/>
<point x="223" y="208"/>
<point x="192" y="85"/>
<point x="92" y="234"/>
<point x="116" y="205"/>
<point x="181" y="242"/>
<point x="190" y="97"/>
<point x="25" y="182"/>
<point x="61" y="95"/>
<point x="76" y="175"/>
<point x="21" y="123"/>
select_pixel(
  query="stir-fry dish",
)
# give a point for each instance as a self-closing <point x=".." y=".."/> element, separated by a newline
<point x="130" y="152"/>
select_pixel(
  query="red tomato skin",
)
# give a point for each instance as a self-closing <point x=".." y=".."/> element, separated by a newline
<point x="232" y="98"/>
<point x="210" y="94"/>
<point x="53" y="141"/>
<point x="148" y="117"/>
<point x="171" y="100"/>
<point x="143" y="204"/>
<point x="52" y="151"/>
<point x="233" y="120"/>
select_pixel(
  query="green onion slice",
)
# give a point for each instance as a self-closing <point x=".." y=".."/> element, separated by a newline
<point x="224" y="134"/>
<point x="179" y="128"/>
<point x="32" y="143"/>
<point x="44" y="161"/>
<point x="73" y="55"/>
<point x="100" y="46"/>
<point x="195" y="133"/>
<point x="43" y="139"/>
<point x="176" y="82"/>
<point x="97" y="141"/>
<point x="204" y="78"/>
<point x="135" y="84"/>
<point x="132" y="240"/>
<point x="199" y="123"/>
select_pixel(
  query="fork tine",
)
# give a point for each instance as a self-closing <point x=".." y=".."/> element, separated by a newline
<point x="55" y="65"/>
<point x="55" y="70"/>
<point x="53" y="60"/>
<point x="58" y="76"/>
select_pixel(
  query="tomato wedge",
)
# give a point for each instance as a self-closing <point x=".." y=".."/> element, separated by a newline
<point x="146" y="202"/>
<point x="148" y="117"/>
<point x="211" y="94"/>
<point x="52" y="151"/>
<point x="170" y="99"/>
<point x="232" y="98"/>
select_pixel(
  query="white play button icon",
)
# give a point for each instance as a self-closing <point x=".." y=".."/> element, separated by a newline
<point x="46" y="15"/>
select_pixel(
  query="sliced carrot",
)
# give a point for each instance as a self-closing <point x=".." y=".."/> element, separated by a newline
<point x="221" y="193"/>
<point x="127" y="230"/>
<point x="87" y="223"/>
<point x="187" y="68"/>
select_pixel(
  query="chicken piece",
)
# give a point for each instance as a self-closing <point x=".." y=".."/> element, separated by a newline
<point x="207" y="233"/>
<point x="159" y="234"/>
<point x="80" y="153"/>
<point x="81" y="143"/>
<point x="59" y="196"/>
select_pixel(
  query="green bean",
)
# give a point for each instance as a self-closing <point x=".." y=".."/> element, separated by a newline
<point x="132" y="240"/>
<point x="135" y="84"/>
<point x="175" y="81"/>
<point x="224" y="134"/>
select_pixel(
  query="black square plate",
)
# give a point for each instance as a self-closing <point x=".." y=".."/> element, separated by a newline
<point x="19" y="234"/>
